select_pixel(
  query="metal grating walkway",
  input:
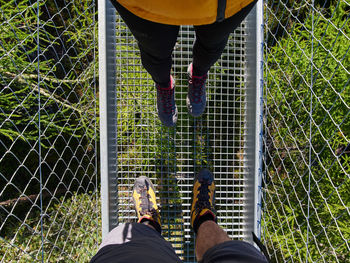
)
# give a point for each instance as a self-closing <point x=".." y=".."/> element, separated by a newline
<point x="223" y="140"/>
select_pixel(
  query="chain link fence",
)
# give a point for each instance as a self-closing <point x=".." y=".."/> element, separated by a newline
<point x="49" y="204"/>
<point x="306" y="199"/>
<point x="49" y="209"/>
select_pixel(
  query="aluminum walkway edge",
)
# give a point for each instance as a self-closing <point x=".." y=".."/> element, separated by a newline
<point x="226" y="139"/>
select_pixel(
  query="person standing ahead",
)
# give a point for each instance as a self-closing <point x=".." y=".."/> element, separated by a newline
<point x="155" y="25"/>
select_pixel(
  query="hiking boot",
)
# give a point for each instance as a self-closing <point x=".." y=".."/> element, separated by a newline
<point x="166" y="107"/>
<point x="196" y="95"/>
<point x="202" y="199"/>
<point x="144" y="198"/>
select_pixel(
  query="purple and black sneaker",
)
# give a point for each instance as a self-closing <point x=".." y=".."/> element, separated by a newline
<point x="196" y="96"/>
<point x="166" y="107"/>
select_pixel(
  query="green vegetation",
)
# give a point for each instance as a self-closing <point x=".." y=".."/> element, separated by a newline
<point x="67" y="97"/>
<point x="66" y="93"/>
<point x="296" y="87"/>
<point x="65" y="75"/>
<point x="69" y="229"/>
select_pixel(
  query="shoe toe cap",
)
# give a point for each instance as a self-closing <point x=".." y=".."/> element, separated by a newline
<point x="205" y="174"/>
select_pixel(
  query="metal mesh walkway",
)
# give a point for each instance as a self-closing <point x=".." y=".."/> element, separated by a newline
<point x="170" y="157"/>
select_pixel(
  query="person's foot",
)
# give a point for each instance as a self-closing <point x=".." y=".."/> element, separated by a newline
<point x="144" y="198"/>
<point x="166" y="107"/>
<point x="202" y="199"/>
<point x="196" y="95"/>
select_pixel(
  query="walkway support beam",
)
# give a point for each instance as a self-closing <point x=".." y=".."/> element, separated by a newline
<point x="108" y="114"/>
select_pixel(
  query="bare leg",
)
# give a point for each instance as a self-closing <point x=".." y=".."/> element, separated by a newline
<point x="209" y="235"/>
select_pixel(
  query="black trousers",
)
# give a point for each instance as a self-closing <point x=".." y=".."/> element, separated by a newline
<point x="156" y="42"/>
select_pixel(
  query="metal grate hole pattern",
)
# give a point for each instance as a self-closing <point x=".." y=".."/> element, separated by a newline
<point x="48" y="129"/>
<point x="170" y="157"/>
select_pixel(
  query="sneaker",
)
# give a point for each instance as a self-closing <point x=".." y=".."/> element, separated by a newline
<point x="144" y="198"/>
<point x="166" y="107"/>
<point x="196" y="95"/>
<point x="203" y="199"/>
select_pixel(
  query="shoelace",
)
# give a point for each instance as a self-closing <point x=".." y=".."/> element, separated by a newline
<point x="146" y="204"/>
<point x="198" y="85"/>
<point x="203" y="197"/>
<point x="166" y="97"/>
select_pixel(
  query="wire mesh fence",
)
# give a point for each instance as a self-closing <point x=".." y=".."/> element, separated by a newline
<point x="48" y="132"/>
<point x="306" y="198"/>
<point x="48" y="155"/>
<point x="171" y="156"/>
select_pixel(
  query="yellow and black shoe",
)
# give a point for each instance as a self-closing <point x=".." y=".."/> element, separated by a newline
<point x="203" y="199"/>
<point x="144" y="197"/>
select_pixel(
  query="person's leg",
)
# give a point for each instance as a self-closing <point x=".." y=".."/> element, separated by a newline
<point x="210" y="42"/>
<point x="127" y="232"/>
<point x="141" y="241"/>
<point x="209" y="234"/>
<point x="135" y="242"/>
<point x="212" y="39"/>
<point x="156" y="42"/>
<point x="203" y="218"/>
<point x="214" y="245"/>
<point x="208" y="47"/>
<point x="212" y="242"/>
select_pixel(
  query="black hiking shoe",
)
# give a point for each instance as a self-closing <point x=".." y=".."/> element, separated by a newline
<point x="203" y="199"/>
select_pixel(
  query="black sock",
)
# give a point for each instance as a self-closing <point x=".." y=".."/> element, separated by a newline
<point x="152" y="223"/>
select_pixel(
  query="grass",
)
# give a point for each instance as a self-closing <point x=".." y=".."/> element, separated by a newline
<point x="71" y="232"/>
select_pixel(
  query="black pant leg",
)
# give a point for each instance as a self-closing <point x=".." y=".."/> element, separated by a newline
<point x="211" y="40"/>
<point x="156" y="42"/>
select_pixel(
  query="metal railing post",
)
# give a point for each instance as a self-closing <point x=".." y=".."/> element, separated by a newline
<point x="259" y="114"/>
<point x="254" y="86"/>
<point x="108" y="114"/>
